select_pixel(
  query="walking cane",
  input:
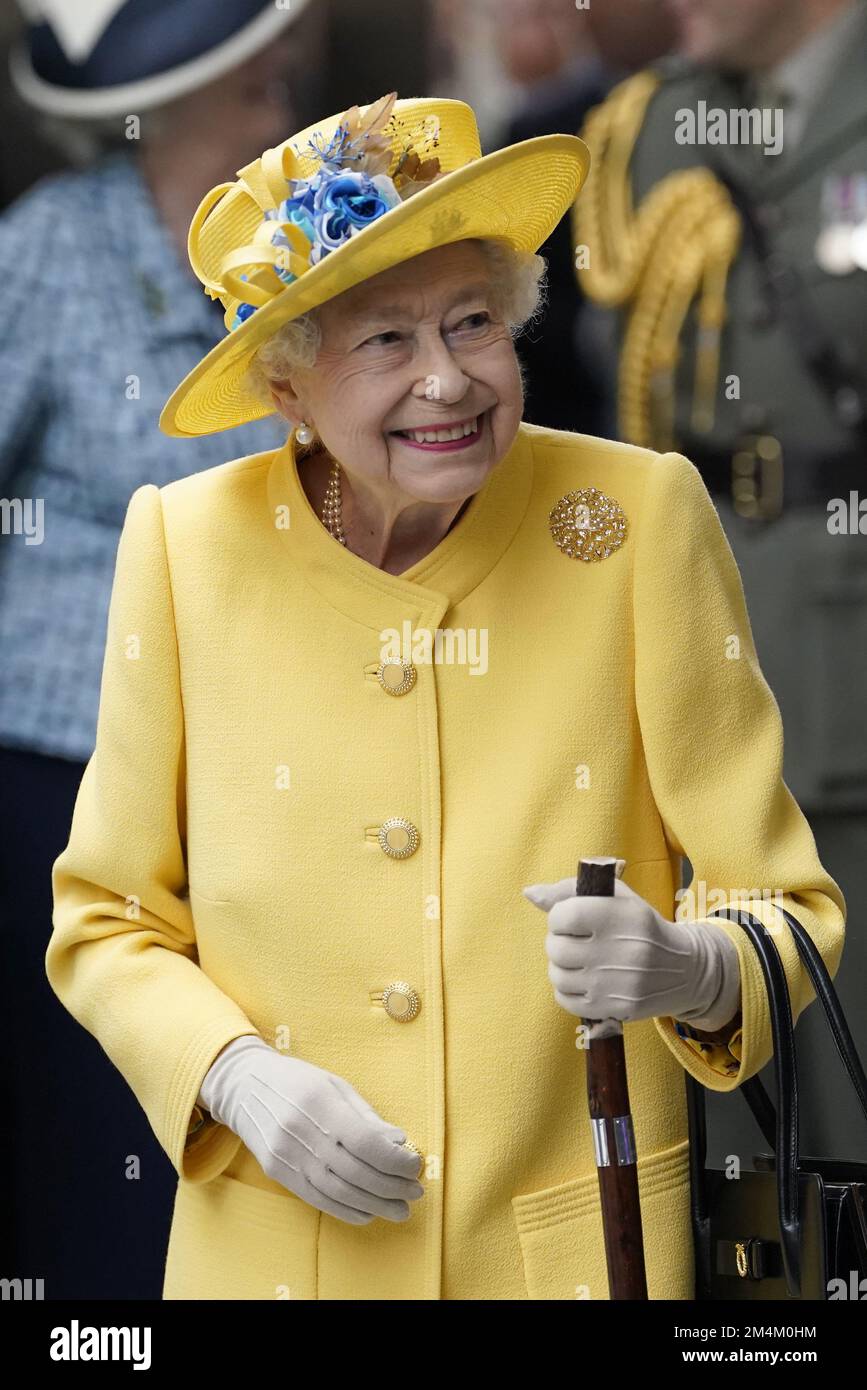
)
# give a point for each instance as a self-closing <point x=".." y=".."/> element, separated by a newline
<point x="611" y="1118"/>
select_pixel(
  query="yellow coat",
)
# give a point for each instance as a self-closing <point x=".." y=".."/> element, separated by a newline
<point x="224" y="873"/>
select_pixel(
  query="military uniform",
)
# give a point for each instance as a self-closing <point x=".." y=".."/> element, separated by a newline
<point x="768" y="386"/>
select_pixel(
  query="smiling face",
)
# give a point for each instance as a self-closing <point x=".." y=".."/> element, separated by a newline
<point x="416" y="384"/>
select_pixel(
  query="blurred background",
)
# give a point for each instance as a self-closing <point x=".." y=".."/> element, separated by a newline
<point x="706" y="295"/>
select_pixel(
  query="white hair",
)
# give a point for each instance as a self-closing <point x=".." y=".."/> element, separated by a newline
<point x="519" y="285"/>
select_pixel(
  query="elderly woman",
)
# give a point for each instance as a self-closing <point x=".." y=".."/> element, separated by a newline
<point x="362" y="690"/>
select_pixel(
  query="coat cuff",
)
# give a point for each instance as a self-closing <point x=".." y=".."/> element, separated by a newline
<point x="724" y="1059"/>
<point x="711" y="1058"/>
<point x="199" y="1147"/>
<point x="723" y="1066"/>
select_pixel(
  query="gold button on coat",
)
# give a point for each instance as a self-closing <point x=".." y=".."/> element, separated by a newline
<point x="396" y="676"/>
<point x="401" y="1001"/>
<point x="398" y="837"/>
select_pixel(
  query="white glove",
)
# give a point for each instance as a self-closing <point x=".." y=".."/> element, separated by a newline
<point x="311" y="1131"/>
<point x="619" y="958"/>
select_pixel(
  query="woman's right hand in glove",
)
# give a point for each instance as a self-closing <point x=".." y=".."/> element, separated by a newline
<point x="311" y="1131"/>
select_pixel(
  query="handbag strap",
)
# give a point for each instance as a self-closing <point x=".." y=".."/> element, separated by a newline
<point x="753" y="1091"/>
<point x="786" y="1129"/>
<point x="831" y="1006"/>
<point x="780" y="1129"/>
<point x="787" y="1147"/>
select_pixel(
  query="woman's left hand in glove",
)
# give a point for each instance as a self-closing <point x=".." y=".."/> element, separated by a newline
<point x="619" y="958"/>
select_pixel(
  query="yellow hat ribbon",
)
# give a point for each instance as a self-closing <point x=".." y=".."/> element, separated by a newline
<point x="308" y="208"/>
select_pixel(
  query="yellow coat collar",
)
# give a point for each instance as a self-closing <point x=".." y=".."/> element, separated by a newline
<point x="442" y="578"/>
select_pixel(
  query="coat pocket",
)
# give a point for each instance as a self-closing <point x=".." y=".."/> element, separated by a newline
<point x="562" y="1242"/>
<point x="230" y="1240"/>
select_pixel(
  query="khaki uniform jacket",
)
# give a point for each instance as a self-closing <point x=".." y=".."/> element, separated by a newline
<point x="800" y="575"/>
<point x="225" y="872"/>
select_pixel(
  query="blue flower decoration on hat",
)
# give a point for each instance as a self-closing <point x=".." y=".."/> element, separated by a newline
<point x="350" y="190"/>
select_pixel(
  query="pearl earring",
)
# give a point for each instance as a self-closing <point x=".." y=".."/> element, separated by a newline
<point x="304" y="432"/>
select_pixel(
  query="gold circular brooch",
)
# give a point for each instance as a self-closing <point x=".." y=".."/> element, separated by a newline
<point x="587" y="524"/>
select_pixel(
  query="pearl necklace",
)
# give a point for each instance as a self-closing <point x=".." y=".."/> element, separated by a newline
<point x="332" y="509"/>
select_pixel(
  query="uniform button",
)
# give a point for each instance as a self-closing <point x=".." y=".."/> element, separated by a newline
<point x="396" y="676"/>
<point x="398" y="837"/>
<point x="401" y="1001"/>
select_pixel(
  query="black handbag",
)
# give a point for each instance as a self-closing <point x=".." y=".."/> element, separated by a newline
<point x="798" y="1225"/>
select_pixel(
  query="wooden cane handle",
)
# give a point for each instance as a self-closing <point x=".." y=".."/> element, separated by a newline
<point x="613" y="1137"/>
<point x="595" y="878"/>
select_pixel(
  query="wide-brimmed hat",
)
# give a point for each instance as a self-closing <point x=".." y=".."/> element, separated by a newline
<point x="90" y="59"/>
<point x="341" y="201"/>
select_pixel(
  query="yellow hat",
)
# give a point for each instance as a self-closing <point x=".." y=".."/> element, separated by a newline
<point x="344" y="200"/>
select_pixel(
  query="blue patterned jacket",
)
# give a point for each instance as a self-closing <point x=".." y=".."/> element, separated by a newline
<point x="95" y="294"/>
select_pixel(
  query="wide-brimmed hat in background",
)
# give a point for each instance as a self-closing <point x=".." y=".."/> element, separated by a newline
<point x="344" y="200"/>
<point x="90" y="59"/>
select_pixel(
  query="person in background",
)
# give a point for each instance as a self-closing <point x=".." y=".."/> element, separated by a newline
<point x="547" y="53"/>
<point x="101" y="316"/>
<point x="763" y="381"/>
<point x="567" y="60"/>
